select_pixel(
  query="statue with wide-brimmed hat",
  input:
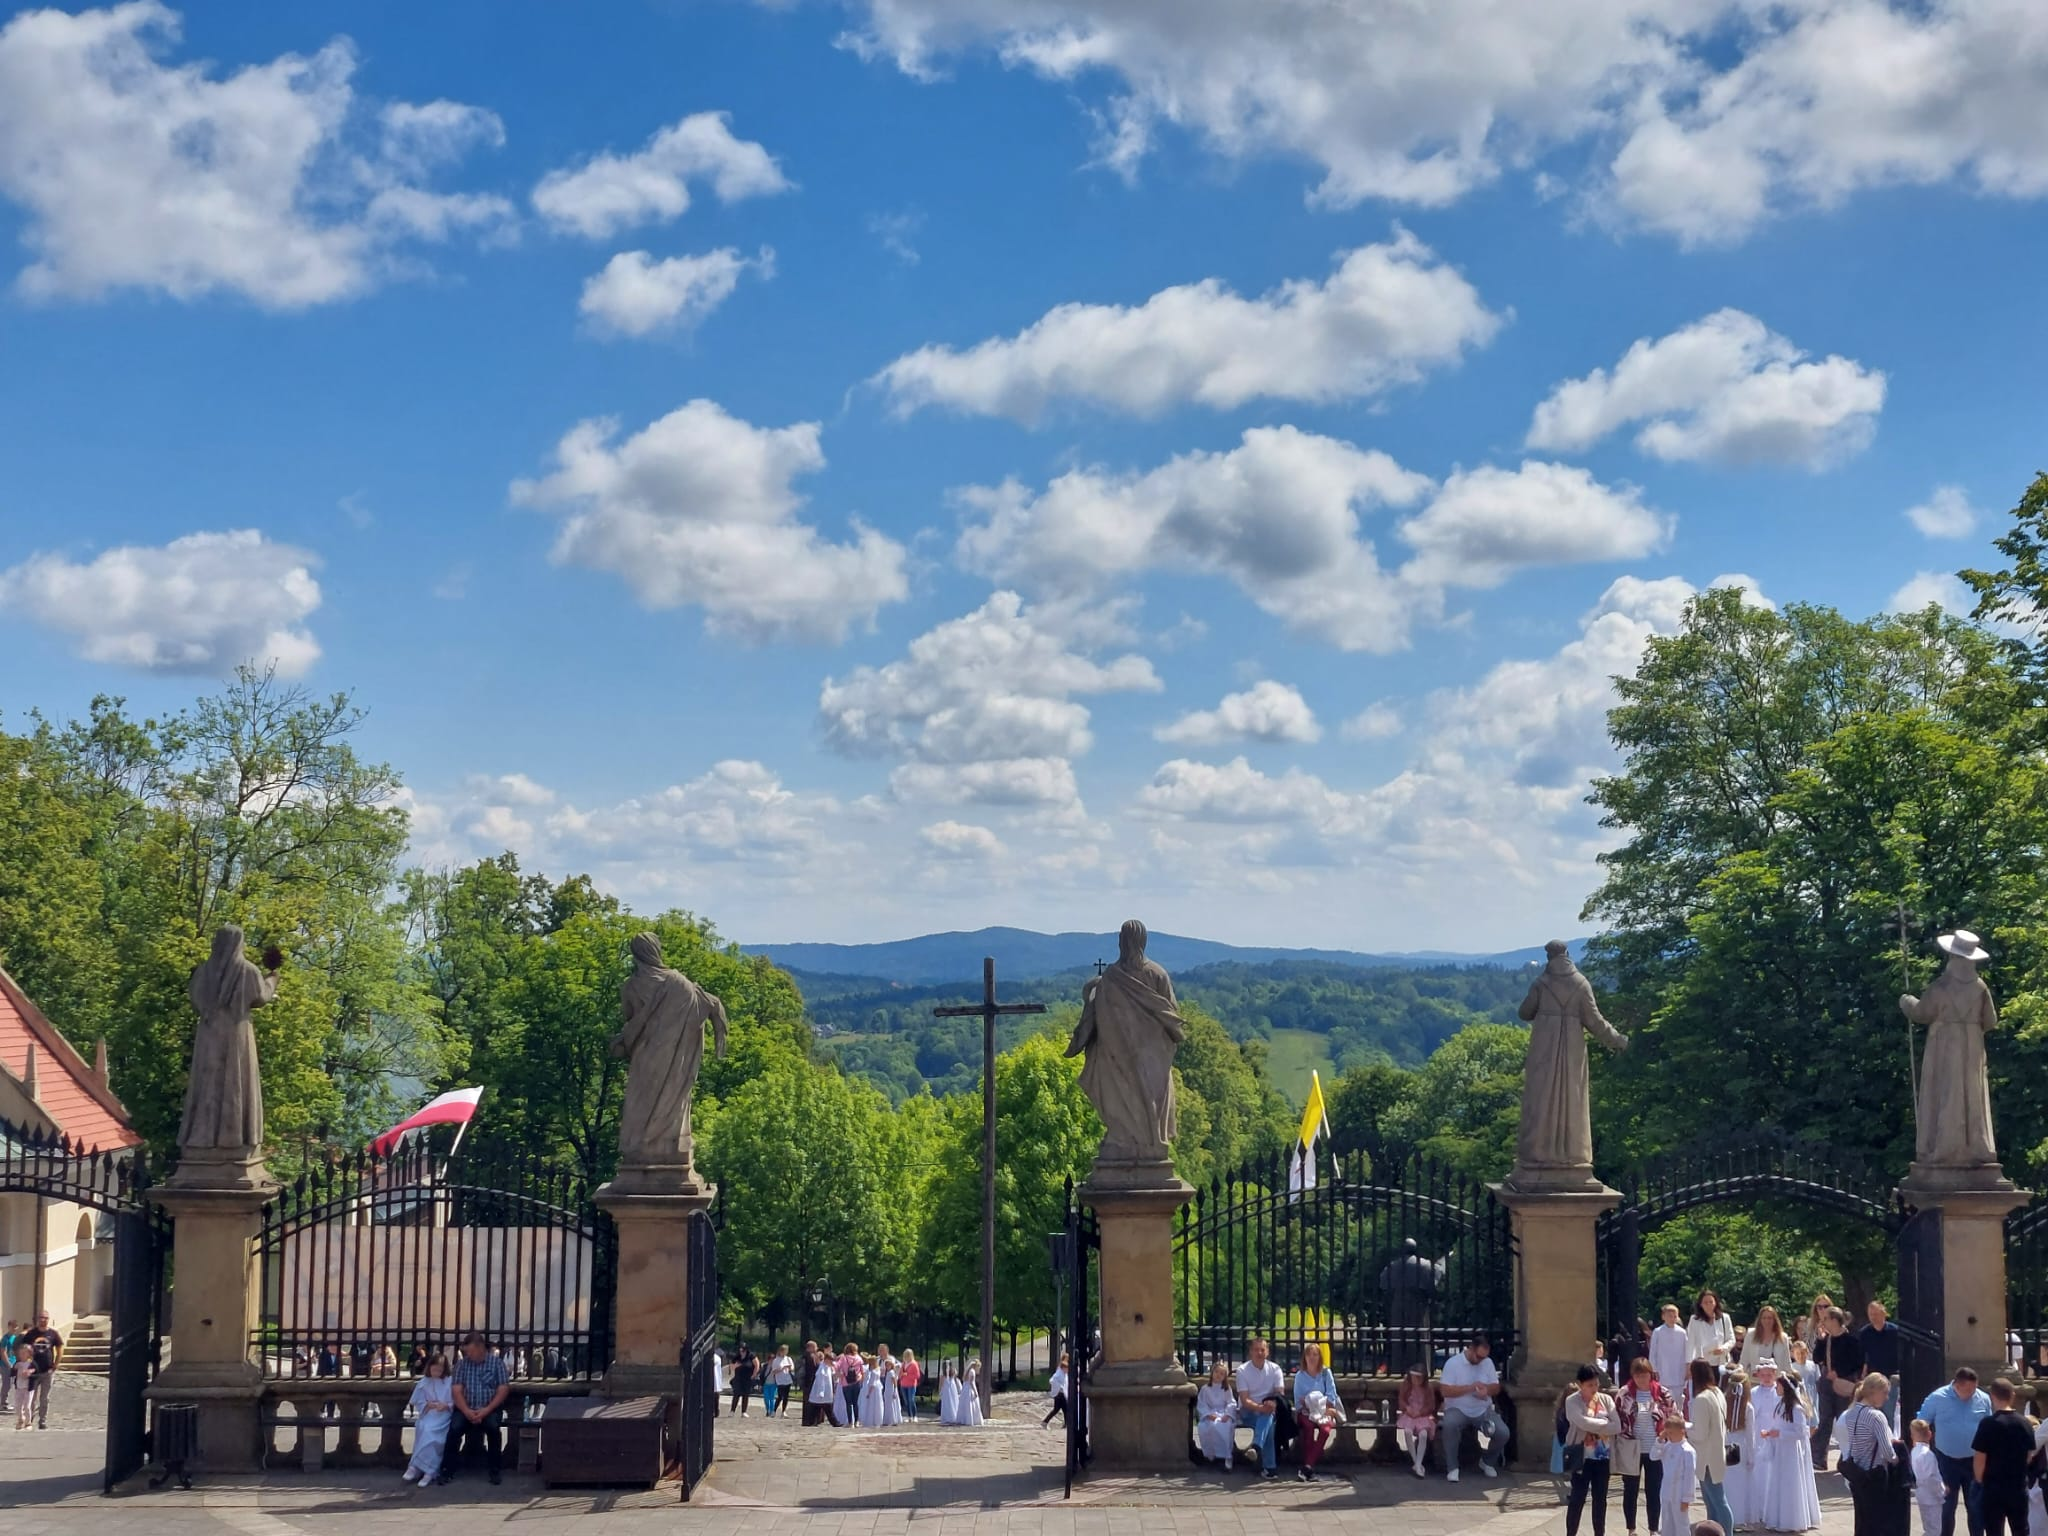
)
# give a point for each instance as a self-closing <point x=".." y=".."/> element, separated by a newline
<point x="1952" y="1118"/>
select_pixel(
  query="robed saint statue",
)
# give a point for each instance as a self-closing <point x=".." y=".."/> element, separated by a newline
<point x="1952" y="1121"/>
<point x="663" y="1043"/>
<point x="1554" y="1143"/>
<point x="223" y="1119"/>
<point x="1130" y="1028"/>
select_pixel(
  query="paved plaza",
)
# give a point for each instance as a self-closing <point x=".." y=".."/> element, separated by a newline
<point x="773" y="1476"/>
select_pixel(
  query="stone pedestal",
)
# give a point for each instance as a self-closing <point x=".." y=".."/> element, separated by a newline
<point x="217" y="1205"/>
<point x="652" y="1209"/>
<point x="1973" y="1204"/>
<point x="1557" y="1289"/>
<point x="1138" y="1397"/>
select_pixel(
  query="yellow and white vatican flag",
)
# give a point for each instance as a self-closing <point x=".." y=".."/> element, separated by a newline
<point x="1315" y="1126"/>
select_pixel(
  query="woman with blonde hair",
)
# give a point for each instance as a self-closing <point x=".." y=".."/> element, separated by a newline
<point x="1766" y="1341"/>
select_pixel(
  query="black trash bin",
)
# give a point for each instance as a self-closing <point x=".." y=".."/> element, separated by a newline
<point x="176" y="1441"/>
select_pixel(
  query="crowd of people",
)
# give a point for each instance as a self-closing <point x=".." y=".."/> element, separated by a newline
<point x="853" y="1388"/>
<point x="1715" y="1424"/>
<point x="29" y="1358"/>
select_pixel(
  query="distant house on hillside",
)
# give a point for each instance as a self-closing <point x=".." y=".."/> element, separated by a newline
<point x="55" y="1256"/>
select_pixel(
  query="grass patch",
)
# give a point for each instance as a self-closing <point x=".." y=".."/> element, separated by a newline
<point x="1291" y="1055"/>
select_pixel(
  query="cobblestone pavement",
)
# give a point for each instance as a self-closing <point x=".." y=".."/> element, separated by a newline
<point x="776" y="1478"/>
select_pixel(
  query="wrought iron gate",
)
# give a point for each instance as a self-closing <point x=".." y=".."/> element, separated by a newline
<point x="1774" y="1167"/>
<point x="1083" y="1240"/>
<point x="699" y="1399"/>
<point x="142" y="1241"/>
<point x="1395" y="1269"/>
<point x="113" y="1184"/>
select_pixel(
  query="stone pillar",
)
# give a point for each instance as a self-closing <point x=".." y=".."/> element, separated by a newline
<point x="652" y="1307"/>
<point x="1973" y="1213"/>
<point x="1557" y="1305"/>
<point x="1139" y="1396"/>
<point x="217" y="1206"/>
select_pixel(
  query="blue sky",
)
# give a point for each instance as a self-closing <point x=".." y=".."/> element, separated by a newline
<point x="852" y="469"/>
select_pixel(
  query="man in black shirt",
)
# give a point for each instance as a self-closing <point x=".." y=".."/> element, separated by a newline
<point x="1839" y="1356"/>
<point x="46" y="1350"/>
<point x="1880" y="1340"/>
<point x="2004" y="1443"/>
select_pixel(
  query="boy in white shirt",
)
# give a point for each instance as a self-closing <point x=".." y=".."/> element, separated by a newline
<point x="1681" y="1476"/>
<point x="1668" y="1352"/>
<point x="1927" y="1489"/>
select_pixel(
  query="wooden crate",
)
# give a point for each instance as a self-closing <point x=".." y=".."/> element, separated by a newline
<point x="586" y="1440"/>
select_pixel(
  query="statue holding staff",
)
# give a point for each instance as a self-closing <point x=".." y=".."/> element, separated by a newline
<point x="1130" y="1028"/>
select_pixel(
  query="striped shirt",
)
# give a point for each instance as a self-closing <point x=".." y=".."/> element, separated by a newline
<point x="1866" y="1436"/>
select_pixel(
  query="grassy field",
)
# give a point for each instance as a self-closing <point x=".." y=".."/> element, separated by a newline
<point x="1292" y="1055"/>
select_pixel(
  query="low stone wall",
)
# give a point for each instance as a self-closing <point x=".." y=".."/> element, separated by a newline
<point x="297" y="1434"/>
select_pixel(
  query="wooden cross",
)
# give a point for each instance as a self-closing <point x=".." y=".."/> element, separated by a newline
<point x="988" y="1010"/>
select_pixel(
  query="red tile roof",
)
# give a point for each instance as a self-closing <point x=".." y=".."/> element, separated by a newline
<point x="83" y="1107"/>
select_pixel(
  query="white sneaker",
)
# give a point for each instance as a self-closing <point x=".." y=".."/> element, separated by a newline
<point x="1451" y="1476"/>
<point x="1489" y="1471"/>
<point x="408" y="1475"/>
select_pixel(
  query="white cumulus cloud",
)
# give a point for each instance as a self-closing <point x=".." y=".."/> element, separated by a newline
<point x="700" y="508"/>
<point x="1376" y="722"/>
<point x="1701" y="118"/>
<point x="983" y="709"/>
<point x="961" y="840"/>
<point x="1387" y="315"/>
<point x="635" y="295"/>
<point x="1267" y="711"/>
<point x="205" y="603"/>
<point x="1946" y="514"/>
<point x="271" y="182"/>
<point x="1941" y="589"/>
<point x="1281" y="517"/>
<point x="1485" y="524"/>
<point x="608" y="193"/>
<point x="1725" y="389"/>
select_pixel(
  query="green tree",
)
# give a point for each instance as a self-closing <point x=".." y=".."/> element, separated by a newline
<point x="1229" y="1113"/>
<point x="1745" y="1259"/>
<point x="798" y="1154"/>
<point x="1466" y="1103"/>
<point x="1046" y="1133"/>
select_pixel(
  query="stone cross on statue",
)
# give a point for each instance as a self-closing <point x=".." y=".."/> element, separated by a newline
<point x="988" y="1010"/>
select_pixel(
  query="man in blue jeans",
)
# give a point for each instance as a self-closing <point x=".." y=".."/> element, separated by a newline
<point x="1953" y="1412"/>
<point x="1260" y="1393"/>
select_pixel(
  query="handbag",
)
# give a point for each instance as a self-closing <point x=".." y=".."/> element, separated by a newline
<point x="1734" y="1455"/>
<point x="1574" y="1459"/>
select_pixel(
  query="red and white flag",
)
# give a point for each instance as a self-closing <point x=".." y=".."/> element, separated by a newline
<point x="455" y="1107"/>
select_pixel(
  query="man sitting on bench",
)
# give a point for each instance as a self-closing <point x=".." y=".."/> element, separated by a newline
<point x="1470" y="1383"/>
<point x="1261" y="1399"/>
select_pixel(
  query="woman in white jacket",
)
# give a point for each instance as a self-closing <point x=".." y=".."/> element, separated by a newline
<point x="1709" y="1335"/>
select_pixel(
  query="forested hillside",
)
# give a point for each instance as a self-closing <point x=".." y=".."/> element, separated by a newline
<point x="1307" y="1013"/>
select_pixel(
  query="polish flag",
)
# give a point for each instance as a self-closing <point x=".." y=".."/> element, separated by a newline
<point x="455" y="1107"/>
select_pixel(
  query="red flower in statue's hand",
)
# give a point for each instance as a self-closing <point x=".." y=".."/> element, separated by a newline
<point x="273" y="958"/>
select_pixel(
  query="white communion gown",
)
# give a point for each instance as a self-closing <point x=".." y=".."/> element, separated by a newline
<point x="1783" y="1488"/>
<point x="949" y="1398"/>
<point x="1216" y="1424"/>
<point x="871" y="1398"/>
<point x="824" y="1393"/>
<point x="892" y="1400"/>
<point x="970" y="1395"/>
<point x="1740" y="1486"/>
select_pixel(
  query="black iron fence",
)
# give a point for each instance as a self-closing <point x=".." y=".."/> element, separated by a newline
<point x="412" y="1251"/>
<point x="699" y="1405"/>
<point x="1385" y="1272"/>
<point x="2026" y="1288"/>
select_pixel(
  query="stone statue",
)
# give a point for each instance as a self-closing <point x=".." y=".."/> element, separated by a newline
<point x="1130" y="1027"/>
<point x="1952" y="1120"/>
<point x="663" y="1043"/>
<point x="1554" y="1147"/>
<point x="1411" y="1283"/>
<point x="223" y="1121"/>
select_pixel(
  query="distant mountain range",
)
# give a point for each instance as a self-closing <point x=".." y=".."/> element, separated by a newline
<point x="1022" y="955"/>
